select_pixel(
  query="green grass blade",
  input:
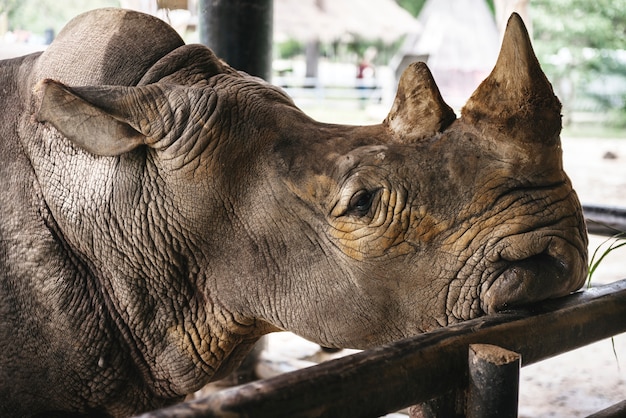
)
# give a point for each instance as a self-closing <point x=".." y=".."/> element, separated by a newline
<point x="616" y="242"/>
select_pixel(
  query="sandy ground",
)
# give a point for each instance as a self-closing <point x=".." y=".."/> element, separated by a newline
<point x="583" y="381"/>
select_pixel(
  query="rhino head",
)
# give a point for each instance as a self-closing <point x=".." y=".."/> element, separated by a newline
<point x="237" y="215"/>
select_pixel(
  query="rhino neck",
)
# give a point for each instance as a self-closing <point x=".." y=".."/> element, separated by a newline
<point x="143" y="271"/>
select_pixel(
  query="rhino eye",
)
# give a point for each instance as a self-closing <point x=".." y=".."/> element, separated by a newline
<point x="361" y="202"/>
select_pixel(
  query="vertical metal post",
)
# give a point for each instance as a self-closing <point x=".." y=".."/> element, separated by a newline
<point x="239" y="32"/>
<point x="493" y="382"/>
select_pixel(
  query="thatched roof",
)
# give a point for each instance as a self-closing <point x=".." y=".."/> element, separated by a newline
<point x="333" y="19"/>
<point x="459" y="42"/>
<point x="457" y="34"/>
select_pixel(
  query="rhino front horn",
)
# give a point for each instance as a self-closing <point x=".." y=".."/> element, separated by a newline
<point x="418" y="110"/>
<point x="517" y="98"/>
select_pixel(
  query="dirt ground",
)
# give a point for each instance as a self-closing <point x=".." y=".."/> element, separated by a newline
<point x="580" y="382"/>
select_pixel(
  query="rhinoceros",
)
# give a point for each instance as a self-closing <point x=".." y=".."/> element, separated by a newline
<point x="162" y="211"/>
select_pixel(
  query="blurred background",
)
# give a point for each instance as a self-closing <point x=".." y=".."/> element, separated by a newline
<point x="341" y="59"/>
<point x="335" y="56"/>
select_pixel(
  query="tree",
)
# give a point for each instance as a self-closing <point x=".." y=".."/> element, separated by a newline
<point x="415" y="6"/>
<point x="7" y="8"/>
<point x="412" y="6"/>
<point x="580" y="43"/>
<point x="37" y="16"/>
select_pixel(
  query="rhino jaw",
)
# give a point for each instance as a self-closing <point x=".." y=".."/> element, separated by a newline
<point x="532" y="274"/>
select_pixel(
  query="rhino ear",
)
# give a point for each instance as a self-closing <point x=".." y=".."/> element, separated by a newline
<point x="107" y="120"/>
<point x="418" y="110"/>
<point x="516" y="98"/>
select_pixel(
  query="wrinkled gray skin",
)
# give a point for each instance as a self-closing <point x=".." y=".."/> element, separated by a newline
<point x="150" y="235"/>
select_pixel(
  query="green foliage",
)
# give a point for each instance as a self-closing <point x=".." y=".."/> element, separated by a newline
<point x="599" y="24"/>
<point x="615" y="242"/>
<point x="290" y="48"/>
<point x="39" y="15"/>
<point x="579" y="41"/>
<point x="6" y="6"/>
<point x="412" y="6"/>
<point x="384" y="51"/>
<point x="601" y="252"/>
<point x="8" y="9"/>
<point x="491" y="6"/>
<point x="415" y="6"/>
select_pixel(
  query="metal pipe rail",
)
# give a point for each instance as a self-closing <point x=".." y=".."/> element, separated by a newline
<point x="605" y="220"/>
<point x="388" y="378"/>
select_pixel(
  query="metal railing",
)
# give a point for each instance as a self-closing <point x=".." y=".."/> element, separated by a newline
<point x="605" y="220"/>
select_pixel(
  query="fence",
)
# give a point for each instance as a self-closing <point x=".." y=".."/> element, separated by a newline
<point x="352" y="94"/>
<point x="445" y="373"/>
<point x="603" y="220"/>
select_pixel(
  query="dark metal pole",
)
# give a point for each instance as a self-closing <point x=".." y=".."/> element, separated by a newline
<point x="239" y="32"/>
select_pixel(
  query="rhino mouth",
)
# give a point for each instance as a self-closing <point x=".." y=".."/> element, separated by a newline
<point x="534" y="269"/>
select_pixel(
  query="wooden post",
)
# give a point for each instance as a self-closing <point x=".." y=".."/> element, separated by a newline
<point x="493" y="382"/>
<point x="449" y="405"/>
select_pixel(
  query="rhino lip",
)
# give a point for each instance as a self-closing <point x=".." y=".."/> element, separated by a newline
<point x="552" y="272"/>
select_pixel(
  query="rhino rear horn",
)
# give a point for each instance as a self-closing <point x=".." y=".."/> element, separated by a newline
<point x="418" y="110"/>
<point x="516" y="98"/>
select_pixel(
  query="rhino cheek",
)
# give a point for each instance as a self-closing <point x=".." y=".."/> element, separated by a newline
<point x="356" y="311"/>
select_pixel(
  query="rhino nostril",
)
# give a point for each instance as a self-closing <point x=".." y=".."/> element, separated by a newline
<point x="531" y="279"/>
<point x="544" y="259"/>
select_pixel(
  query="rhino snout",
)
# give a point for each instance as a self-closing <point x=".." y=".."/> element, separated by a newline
<point x="534" y="269"/>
